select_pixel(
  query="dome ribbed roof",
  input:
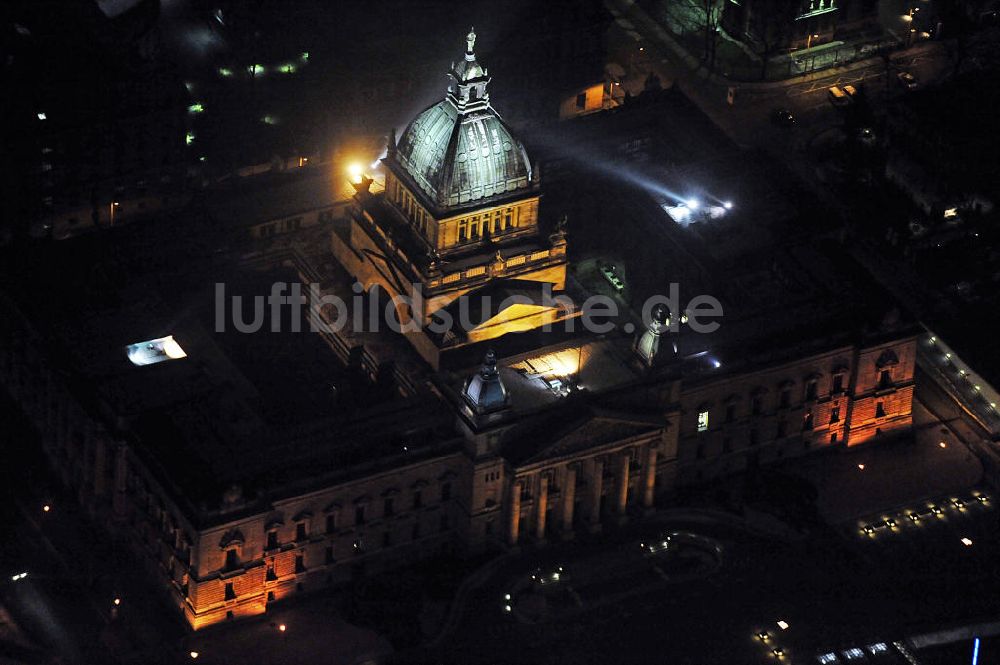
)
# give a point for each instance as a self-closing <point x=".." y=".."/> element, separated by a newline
<point x="459" y="150"/>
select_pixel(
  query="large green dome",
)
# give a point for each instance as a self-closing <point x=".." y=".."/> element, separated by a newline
<point x="459" y="150"/>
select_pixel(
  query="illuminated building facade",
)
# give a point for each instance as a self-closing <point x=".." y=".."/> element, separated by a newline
<point x="247" y="468"/>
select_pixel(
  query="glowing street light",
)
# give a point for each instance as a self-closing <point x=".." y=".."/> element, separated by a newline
<point x="282" y="628"/>
<point x="194" y="655"/>
<point x="18" y="577"/>
<point x="728" y="205"/>
<point x="356" y="171"/>
<point x="861" y="467"/>
<point x="46" y="508"/>
<point x="967" y="542"/>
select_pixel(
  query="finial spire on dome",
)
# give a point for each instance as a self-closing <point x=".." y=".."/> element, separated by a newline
<point x="470" y="40"/>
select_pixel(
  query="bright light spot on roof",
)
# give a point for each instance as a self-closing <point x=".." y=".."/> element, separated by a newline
<point x="288" y="68"/>
<point x="225" y="72"/>
<point x="728" y="205"/>
<point x="783" y="625"/>
<point x="693" y="204"/>
<point x="967" y="542"/>
<point x="270" y="120"/>
<point x="189" y="138"/>
<point x="42" y="116"/>
<point x="196" y="108"/>
<point x="155" y="351"/>
<point x="305" y="57"/>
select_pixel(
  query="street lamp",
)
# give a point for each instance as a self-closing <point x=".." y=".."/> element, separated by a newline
<point x="114" y="204"/>
<point x="194" y="655"/>
<point x="356" y="171"/>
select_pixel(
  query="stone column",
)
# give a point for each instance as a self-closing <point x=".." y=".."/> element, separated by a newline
<point x="649" y="481"/>
<point x="596" y="487"/>
<point x="569" y="497"/>
<point x="541" y="506"/>
<point x="515" y="513"/>
<point x="623" y="464"/>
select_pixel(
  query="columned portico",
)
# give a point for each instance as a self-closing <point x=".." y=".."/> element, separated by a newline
<point x="596" y="489"/>
<point x="649" y="478"/>
<point x="541" y="506"/>
<point x="569" y="499"/>
<point x="622" y="499"/>
<point x="514" y="522"/>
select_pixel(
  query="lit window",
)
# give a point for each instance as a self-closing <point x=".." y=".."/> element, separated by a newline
<point x="702" y="421"/>
<point x="853" y="654"/>
<point x="827" y="658"/>
<point x="155" y="351"/>
<point x="42" y="116"/>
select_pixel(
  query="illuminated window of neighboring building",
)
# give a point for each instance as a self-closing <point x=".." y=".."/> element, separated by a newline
<point x="835" y="415"/>
<point x="155" y="351"/>
<point x="702" y="421"/>
<point x="300" y="531"/>
<point x="880" y="409"/>
<point x="388" y="509"/>
<point x="359" y="514"/>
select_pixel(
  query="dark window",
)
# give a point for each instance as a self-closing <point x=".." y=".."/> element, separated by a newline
<point x="835" y="415"/>
<point x="879" y="409"/>
<point x="418" y="499"/>
<point x="782" y="427"/>
<point x="300" y="531"/>
<point x="270" y="596"/>
<point x="700" y="451"/>
<point x="445" y="522"/>
<point x="727" y="445"/>
<point x="386" y="539"/>
<point x="754" y="437"/>
<point x="445" y="491"/>
<point x="755" y="406"/>
<point x="833" y="438"/>
<point x="885" y="379"/>
<point x="786" y="398"/>
<point x="359" y="515"/>
<point x="508" y="221"/>
<point x="328" y="555"/>
<point x="387" y="507"/>
<point x="807" y="422"/>
<point x="811" y="390"/>
<point x="230" y="592"/>
<point x="331" y="523"/>
<point x="416" y="531"/>
<point x="232" y="560"/>
<point x="581" y="100"/>
<point x="300" y="563"/>
<point x="272" y="539"/>
<point x="271" y="575"/>
<point x="730" y="413"/>
<point x="838" y="383"/>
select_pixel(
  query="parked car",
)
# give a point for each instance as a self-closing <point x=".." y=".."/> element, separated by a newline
<point x="907" y="80"/>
